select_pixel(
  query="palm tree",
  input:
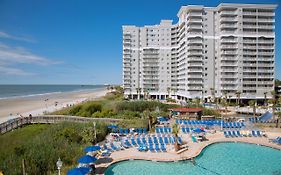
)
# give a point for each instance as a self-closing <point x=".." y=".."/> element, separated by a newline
<point x="238" y="94"/>
<point x="138" y="92"/>
<point x="252" y="103"/>
<point x="148" y="116"/>
<point x="168" y="91"/>
<point x="265" y="97"/>
<point x="278" y="119"/>
<point x="175" y="131"/>
<point x="273" y="94"/>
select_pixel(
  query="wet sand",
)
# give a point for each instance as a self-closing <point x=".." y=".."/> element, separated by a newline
<point x="37" y="105"/>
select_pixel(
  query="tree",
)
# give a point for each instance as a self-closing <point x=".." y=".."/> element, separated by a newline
<point x="175" y="131"/>
<point x="278" y="119"/>
<point x="138" y="92"/>
<point x="148" y="116"/>
<point x="253" y="103"/>
<point x="168" y="91"/>
<point x="238" y="95"/>
<point x="265" y="98"/>
<point x="273" y="94"/>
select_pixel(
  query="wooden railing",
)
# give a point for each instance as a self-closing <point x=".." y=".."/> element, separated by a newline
<point x="48" y="119"/>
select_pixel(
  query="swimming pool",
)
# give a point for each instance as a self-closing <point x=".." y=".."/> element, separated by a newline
<point x="216" y="159"/>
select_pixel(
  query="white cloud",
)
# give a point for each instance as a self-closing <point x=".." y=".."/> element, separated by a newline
<point x="13" y="71"/>
<point x="12" y="37"/>
<point x="11" y="56"/>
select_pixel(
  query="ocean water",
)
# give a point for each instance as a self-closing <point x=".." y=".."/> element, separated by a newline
<point x="216" y="159"/>
<point x="13" y="91"/>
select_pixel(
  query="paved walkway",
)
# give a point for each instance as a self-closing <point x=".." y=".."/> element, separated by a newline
<point x="194" y="149"/>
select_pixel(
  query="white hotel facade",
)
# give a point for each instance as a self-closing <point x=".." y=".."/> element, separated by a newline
<point x="210" y="51"/>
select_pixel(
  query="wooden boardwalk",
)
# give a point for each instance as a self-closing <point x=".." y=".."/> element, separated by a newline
<point x="48" y="119"/>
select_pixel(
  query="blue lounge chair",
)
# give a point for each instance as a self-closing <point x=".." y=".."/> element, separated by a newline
<point x="133" y="142"/>
<point x="169" y="130"/>
<point x="166" y="141"/>
<point x="180" y="140"/>
<point x="155" y="140"/>
<point x="254" y="134"/>
<point x="126" y="131"/>
<point x="140" y="131"/>
<point x="187" y="130"/>
<point x="139" y="141"/>
<point x="163" y="148"/>
<point x="151" y="148"/>
<point x="239" y="134"/>
<point x="160" y="140"/>
<point x="235" y="125"/>
<point x="114" y="147"/>
<point x="157" y="130"/>
<point x="189" y="122"/>
<point x="234" y="134"/>
<point x="230" y="134"/>
<point x="144" y="131"/>
<point x="185" y="122"/>
<point x="144" y="141"/>
<point x="157" y="148"/>
<point x="180" y="122"/>
<point x="225" y="134"/>
<point x="183" y="130"/>
<point x="177" y="121"/>
<point x="127" y="143"/>
<point x="165" y="130"/>
<point x="259" y="133"/>
<point x="172" y="141"/>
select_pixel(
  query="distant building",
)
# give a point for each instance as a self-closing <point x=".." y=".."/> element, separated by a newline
<point x="209" y="52"/>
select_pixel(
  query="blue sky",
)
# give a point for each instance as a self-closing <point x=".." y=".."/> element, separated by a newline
<point x="80" y="42"/>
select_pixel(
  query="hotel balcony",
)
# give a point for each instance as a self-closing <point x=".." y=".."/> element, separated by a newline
<point x="228" y="19"/>
<point x="194" y="14"/>
<point x="231" y="58"/>
<point x="194" y="41"/>
<point x="195" y="20"/>
<point x="228" y="13"/>
<point x="229" y="40"/>
<point x="229" y="46"/>
<point x="271" y="14"/>
<point x="229" y="53"/>
<point x="194" y="53"/>
<point x="223" y="26"/>
<point x="195" y="47"/>
<point x="244" y="13"/>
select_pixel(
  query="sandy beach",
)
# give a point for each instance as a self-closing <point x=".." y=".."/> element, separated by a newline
<point x="37" y="105"/>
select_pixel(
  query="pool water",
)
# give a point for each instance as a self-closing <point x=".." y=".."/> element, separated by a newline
<point x="216" y="159"/>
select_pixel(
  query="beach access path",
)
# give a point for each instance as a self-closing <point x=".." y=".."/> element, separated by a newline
<point x="38" y="105"/>
<point x="194" y="149"/>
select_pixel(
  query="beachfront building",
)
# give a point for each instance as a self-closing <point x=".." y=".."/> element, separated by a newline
<point x="228" y="50"/>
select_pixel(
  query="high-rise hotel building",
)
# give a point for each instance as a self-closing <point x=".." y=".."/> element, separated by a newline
<point x="210" y="51"/>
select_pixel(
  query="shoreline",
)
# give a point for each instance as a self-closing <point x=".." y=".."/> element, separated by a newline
<point x="40" y="104"/>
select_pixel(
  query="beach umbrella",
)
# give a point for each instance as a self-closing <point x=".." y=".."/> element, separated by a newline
<point x="112" y="127"/>
<point x="87" y="159"/>
<point x="198" y="130"/>
<point x="79" y="171"/>
<point x="92" y="148"/>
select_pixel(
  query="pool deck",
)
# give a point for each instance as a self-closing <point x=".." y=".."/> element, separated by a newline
<point x="194" y="149"/>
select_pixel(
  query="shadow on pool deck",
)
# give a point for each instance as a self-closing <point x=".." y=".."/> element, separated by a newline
<point x="103" y="160"/>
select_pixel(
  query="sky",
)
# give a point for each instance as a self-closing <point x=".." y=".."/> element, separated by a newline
<point x="80" y="41"/>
